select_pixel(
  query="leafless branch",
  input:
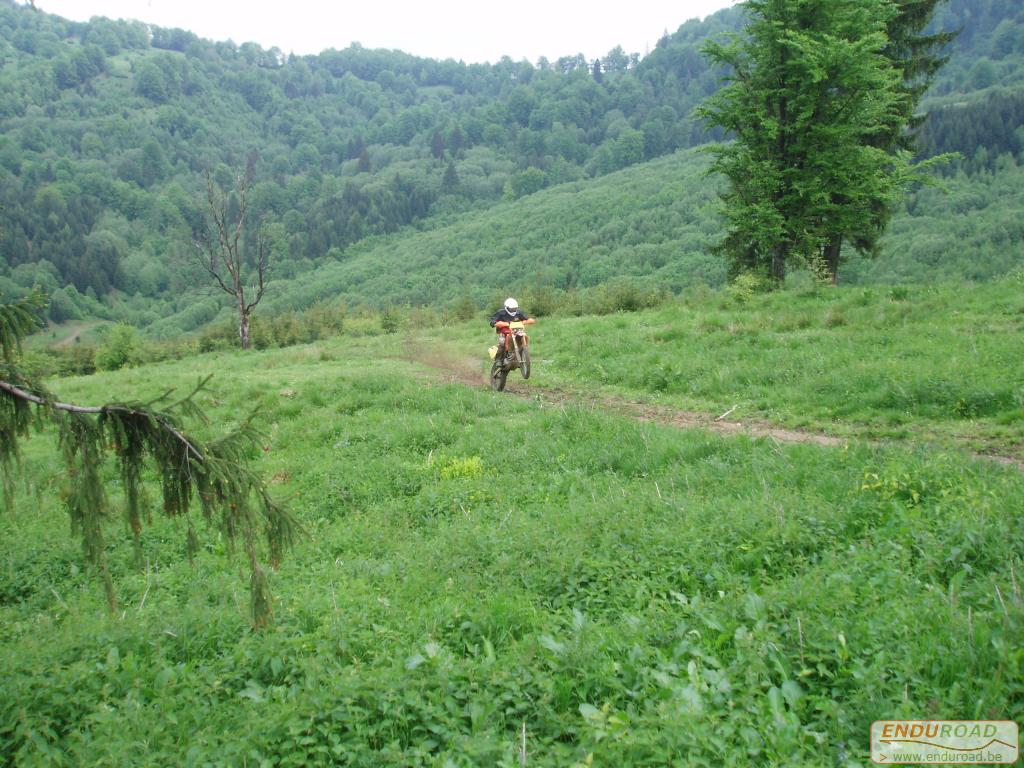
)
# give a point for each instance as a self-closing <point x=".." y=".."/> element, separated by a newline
<point x="221" y="250"/>
<point x="727" y="413"/>
<point x="262" y="267"/>
<point x="208" y="261"/>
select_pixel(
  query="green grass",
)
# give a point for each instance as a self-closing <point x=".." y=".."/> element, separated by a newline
<point x="940" y="363"/>
<point x="63" y="335"/>
<point x="635" y="594"/>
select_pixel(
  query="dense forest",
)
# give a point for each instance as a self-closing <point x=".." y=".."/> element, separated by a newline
<point x="108" y="127"/>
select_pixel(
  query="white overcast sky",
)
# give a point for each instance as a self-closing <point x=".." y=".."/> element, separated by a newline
<point x="470" y="30"/>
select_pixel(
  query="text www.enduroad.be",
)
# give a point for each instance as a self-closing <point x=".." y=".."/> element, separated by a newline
<point x="945" y="757"/>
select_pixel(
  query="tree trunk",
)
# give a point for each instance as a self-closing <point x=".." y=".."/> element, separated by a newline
<point x="243" y="327"/>
<point x="779" y="262"/>
<point x="832" y="250"/>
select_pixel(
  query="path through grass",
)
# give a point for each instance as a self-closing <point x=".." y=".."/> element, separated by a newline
<point x="634" y="594"/>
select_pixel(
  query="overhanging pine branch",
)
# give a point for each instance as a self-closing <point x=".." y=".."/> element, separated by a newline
<point x="99" y="409"/>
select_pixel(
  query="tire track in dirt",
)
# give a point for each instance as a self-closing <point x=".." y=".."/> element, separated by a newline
<point x="454" y="369"/>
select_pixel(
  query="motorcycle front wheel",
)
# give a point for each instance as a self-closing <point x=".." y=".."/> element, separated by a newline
<point x="524" y="362"/>
<point x="499" y="374"/>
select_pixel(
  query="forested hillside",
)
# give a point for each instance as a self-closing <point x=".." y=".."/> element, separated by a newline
<point x="653" y="225"/>
<point x="107" y="127"/>
<point x="976" y="105"/>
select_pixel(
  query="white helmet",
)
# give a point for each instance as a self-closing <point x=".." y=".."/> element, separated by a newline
<point x="511" y="305"/>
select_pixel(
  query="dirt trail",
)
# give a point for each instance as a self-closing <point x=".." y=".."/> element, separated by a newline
<point x="75" y="335"/>
<point x="469" y="371"/>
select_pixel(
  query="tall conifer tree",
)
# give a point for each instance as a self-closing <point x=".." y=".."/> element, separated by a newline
<point x="917" y="55"/>
<point x="810" y="91"/>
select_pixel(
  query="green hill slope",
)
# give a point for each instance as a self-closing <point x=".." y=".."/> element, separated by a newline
<point x="654" y="224"/>
<point x="107" y="125"/>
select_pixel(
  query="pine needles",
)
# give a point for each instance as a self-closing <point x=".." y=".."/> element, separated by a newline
<point x="141" y="436"/>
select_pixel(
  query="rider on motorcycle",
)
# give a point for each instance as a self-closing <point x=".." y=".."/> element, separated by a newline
<point x="500" y="320"/>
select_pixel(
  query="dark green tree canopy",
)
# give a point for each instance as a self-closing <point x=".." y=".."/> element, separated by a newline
<point x="812" y="100"/>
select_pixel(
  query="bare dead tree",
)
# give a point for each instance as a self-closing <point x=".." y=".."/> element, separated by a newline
<point x="220" y="248"/>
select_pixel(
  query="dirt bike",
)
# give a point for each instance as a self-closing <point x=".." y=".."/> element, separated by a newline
<point x="517" y="355"/>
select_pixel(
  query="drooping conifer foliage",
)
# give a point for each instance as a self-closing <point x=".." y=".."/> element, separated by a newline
<point x="144" y="438"/>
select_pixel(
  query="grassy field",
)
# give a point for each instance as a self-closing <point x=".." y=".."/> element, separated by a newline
<point x="67" y="334"/>
<point x="941" y="364"/>
<point x="629" y="593"/>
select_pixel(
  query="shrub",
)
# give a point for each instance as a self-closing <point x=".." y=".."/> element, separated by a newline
<point x="79" y="360"/>
<point x="470" y="467"/>
<point x="834" y="318"/>
<point x="390" y="321"/>
<point x="624" y="295"/>
<point x="261" y="334"/>
<point x="543" y="300"/>
<point x="121" y="348"/>
<point x="464" y="308"/>
<point x="38" y="364"/>
<point x="746" y="285"/>
<point x="324" y="320"/>
<point x="899" y="293"/>
<point x="217" y="336"/>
